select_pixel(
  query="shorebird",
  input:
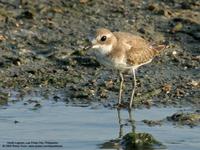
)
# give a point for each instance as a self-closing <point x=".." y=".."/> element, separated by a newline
<point x="123" y="51"/>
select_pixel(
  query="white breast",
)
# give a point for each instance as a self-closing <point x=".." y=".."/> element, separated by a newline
<point x="112" y="63"/>
<point x="103" y="59"/>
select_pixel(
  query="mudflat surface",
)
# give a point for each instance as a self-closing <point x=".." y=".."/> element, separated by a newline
<point x="41" y="46"/>
<point x="41" y="53"/>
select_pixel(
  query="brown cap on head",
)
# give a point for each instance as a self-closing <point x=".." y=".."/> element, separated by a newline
<point x="103" y="37"/>
<point x="102" y="31"/>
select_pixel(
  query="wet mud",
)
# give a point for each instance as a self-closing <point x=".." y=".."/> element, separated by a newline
<point x="41" y="45"/>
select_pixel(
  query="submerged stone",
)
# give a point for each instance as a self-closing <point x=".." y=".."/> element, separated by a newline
<point x="136" y="141"/>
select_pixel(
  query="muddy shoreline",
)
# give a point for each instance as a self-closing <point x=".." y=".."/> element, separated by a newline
<point x="41" y="47"/>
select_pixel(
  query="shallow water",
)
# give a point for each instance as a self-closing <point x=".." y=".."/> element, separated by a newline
<point x="85" y="128"/>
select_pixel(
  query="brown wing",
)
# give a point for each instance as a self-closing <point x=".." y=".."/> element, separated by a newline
<point x="139" y="51"/>
<point x="139" y="54"/>
<point x="142" y="53"/>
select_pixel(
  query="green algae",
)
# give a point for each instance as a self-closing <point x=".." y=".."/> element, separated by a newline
<point x="139" y="141"/>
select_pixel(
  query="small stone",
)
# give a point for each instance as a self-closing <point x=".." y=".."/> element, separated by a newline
<point x="180" y="92"/>
<point x="27" y="14"/>
<point x="152" y="7"/>
<point x="103" y="93"/>
<point x="152" y="122"/>
<point x="177" y="27"/>
<point x="109" y="84"/>
<point x="164" y="12"/>
<point x="174" y="53"/>
<point x="167" y="88"/>
<point x="142" y="30"/>
<point x="16" y="121"/>
<point x="2" y="38"/>
<point x="185" y="5"/>
<point x="38" y="105"/>
<point x="194" y="83"/>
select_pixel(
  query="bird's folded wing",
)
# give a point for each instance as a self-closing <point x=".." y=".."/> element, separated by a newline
<point x="138" y="50"/>
<point x="141" y="51"/>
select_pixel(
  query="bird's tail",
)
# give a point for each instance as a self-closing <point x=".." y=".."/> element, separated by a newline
<point x="158" y="48"/>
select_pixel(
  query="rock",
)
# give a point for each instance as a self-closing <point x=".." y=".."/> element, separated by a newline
<point x="2" y="38"/>
<point x="81" y="93"/>
<point x="164" y="12"/>
<point x="111" y="144"/>
<point x="185" y="5"/>
<point x="178" y="27"/>
<point x="180" y="92"/>
<point x="26" y="14"/>
<point x="159" y="10"/>
<point x="109" y="84"/>
<point x="134" y="140"/>
<point x="191" y="119"/>
<point x="16" y="121"/>
<point x="152" y="122"/>
<point x="38" y="105"/>
<point x="142" y="30"/>
<point x="194" y="83"/>
<point x="3" y="98"/>
<point x="152" y="7"/>
<point x="103" y="93"/>
<point x="167" y="88"/>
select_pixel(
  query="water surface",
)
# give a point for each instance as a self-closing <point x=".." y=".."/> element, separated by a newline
<point x="86" y="128"/>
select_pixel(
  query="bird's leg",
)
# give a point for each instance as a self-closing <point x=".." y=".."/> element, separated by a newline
<point x="134" y="87"/>
<point x="120" y="123"/>
<point x="120" y="88"/>
<point x="132" y="121"/>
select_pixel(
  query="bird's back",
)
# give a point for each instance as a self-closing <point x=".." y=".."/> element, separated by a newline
<point x="138" y="51"/>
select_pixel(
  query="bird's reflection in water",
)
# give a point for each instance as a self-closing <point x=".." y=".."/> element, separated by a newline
<point x="131" y="121"/>
<point x="132" y="139"/>
<point x="120" y="123"/>
<point x="115" y="143"/>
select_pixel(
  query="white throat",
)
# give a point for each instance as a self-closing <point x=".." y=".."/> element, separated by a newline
<point x="104" y="49"/>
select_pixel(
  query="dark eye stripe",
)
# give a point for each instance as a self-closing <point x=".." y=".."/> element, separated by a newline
<point x="103" y="38"/>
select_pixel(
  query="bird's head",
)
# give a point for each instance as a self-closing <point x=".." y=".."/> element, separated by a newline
<point x="103" y="41"/>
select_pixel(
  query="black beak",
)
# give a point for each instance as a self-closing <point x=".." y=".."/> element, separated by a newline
<point x="89" y="38"/>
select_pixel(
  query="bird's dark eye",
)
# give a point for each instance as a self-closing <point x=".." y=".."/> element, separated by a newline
<point x="103" y="38"/>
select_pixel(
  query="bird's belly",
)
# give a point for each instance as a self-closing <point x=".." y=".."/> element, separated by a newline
<point x="111" y="63"/>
